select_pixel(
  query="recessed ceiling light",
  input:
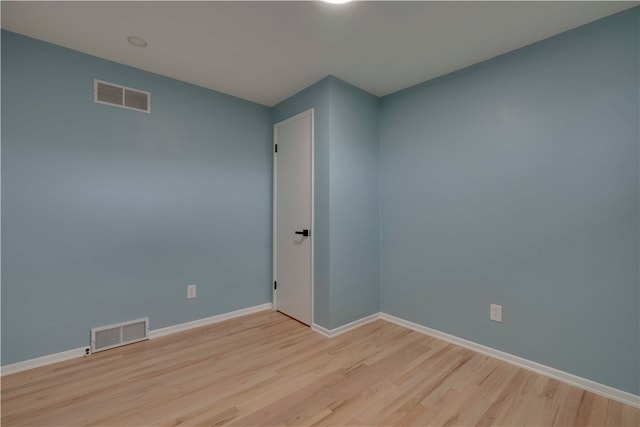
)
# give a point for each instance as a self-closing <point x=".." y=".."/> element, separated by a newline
<point x="337" y="1"/>
<point x="137" y="41"/>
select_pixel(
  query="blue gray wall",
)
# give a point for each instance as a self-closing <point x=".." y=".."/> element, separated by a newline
<point x="355" y="290"/>
<point x="516" y="182"/>
<point x="346" y="285"/>
<point x="108" y="214"/>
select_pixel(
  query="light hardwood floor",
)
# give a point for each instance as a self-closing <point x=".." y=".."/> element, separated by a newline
<point x="266" y="369"/>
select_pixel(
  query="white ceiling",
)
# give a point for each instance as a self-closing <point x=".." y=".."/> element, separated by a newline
<point x="266" y="51"/>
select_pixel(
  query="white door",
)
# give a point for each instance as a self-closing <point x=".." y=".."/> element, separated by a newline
<point x="292" y="223"/>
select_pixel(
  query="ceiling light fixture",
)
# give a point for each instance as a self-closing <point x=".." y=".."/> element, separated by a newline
<point x="137" y="41"/>
<point x="337" y="1"/>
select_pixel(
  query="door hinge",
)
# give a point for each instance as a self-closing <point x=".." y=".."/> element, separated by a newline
<point x="276" y="148"/>
<point x="275" y="285"/>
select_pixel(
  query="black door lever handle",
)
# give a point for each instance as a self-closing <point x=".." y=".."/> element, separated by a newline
<point x="305" y="233"/>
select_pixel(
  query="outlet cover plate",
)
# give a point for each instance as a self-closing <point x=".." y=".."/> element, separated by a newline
<point x="496" y="313"/>
<point x="191" y="291"/>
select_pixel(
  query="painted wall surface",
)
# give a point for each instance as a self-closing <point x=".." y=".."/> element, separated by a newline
<point x="346" y="285"/>
<point x="108" y="214"/>
<point x="354" y="225"/>
<point x="316" y="96"/>
<point x="516" y="182"/>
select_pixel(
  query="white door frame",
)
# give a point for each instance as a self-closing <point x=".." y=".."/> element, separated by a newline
<point x="309" y="112"/>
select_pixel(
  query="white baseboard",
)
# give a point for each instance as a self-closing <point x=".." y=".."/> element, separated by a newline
<point x="330" y="333"/>
<point x="565" y="377"/>
<point x="156" y="333"/>
<point x="43" y="360"/>
<point x="80" y="352"/>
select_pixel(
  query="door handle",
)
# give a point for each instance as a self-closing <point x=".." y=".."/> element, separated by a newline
<point x="304" y="233"/>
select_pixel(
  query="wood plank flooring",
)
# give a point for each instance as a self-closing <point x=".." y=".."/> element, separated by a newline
<point x="266" y="369"/>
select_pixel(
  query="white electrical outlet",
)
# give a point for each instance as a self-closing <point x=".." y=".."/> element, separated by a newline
<point x="191" y="291"/>
<point x="496" y="313"/>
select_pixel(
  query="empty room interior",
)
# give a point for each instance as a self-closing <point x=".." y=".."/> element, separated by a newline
<point x="319" y="213"/>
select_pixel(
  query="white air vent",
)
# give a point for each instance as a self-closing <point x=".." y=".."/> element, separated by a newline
<point x="106" y="337"/>
<point x="121" y="96"/>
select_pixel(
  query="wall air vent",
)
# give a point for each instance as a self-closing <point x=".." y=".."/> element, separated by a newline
<point x="121" y="96"/>
<point x="106" y="337"/>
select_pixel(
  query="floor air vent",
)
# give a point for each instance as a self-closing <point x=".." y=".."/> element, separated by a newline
<point x="106" y="337"/>
<point x="121" y="96"/>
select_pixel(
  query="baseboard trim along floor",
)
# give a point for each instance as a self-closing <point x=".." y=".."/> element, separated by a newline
<point x="329" y="333"/>
<point x="565" y="377"/>
<point x="209" y="320"/>
<point x="82" y="351"/>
